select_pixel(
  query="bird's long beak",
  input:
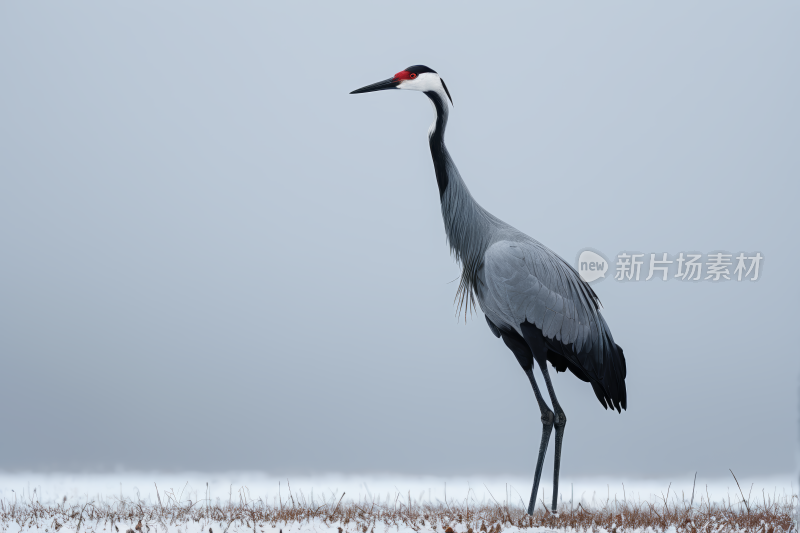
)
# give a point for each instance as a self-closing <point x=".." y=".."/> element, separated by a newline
<point x="391" y="83"/>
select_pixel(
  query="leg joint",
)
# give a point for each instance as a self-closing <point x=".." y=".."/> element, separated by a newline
<point x="561" y="419"/>
<point x="548" y="418"/>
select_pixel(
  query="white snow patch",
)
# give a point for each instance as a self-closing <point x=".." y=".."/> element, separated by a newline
<point x="224" y="487"/>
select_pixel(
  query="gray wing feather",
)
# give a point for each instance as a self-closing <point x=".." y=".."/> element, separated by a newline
<point x="523" y="281"/>
<point x="527" y="281"/>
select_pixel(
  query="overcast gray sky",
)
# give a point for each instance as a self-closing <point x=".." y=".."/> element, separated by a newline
<point x="215" y="258"/>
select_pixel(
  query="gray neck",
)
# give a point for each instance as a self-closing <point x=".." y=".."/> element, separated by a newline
<point x="469" y="227"/>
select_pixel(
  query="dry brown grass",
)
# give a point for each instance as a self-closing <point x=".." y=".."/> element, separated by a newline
<point x="770" y="515"/>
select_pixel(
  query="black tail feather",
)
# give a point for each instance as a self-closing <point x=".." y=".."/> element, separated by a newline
<point x="606" y="370"/>
<point x="600" y="393"/>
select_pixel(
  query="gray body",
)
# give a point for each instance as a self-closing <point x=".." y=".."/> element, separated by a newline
<point x="518" y="280"/>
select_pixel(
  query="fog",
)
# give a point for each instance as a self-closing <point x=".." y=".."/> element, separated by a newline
<point x="214" y="258"/>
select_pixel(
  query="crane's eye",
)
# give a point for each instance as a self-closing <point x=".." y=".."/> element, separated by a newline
<point x="413" y="75"/>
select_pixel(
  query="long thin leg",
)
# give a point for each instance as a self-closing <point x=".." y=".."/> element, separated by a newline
<point x="560" y="423"/>
<point x="524" y="349"/>
<point x="547" y="427"/>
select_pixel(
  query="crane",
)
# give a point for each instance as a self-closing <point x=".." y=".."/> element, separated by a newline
<point x="532" y="299"/>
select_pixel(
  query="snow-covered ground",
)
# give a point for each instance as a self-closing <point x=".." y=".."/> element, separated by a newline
<point x="257" y="486"/>
<point x="260" y="489"/>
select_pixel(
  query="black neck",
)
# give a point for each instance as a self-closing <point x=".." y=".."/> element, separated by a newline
<point x="436" y="139"/>
<point x="468" y="227"/>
